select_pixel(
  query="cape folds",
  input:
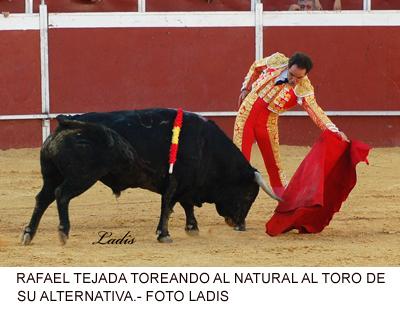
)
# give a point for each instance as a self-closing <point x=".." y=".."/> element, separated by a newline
<point x="319" y="186"/>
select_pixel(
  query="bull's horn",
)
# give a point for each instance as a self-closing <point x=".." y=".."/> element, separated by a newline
<point x="260" y="181"/>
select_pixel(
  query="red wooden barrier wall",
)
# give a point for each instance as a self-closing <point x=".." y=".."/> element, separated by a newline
<point x="20" y="72"/>
<point x="355" y="68"/>
<point x="198" y="68"/>
<point x="20" y="91"/>
<point x="201" y="69"/>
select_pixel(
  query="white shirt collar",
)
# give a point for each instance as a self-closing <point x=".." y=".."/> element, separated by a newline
<point x="282" y="76"/>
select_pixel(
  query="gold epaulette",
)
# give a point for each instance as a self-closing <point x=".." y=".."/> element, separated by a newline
<point x="277" y="60"/>
<point x="304" y="88"/>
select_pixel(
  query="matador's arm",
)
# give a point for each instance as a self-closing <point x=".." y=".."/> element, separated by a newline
<point x="254" y="72"/>
<point x="317" y="114"/>
<point x="305" y="93"/>
<point x="320" y="118"/>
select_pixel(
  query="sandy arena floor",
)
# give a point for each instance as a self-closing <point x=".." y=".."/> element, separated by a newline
<point x="366" y="232"/>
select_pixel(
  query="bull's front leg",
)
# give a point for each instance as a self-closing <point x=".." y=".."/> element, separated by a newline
<point x="167" y="205"/>
<point x="191" y="227"/>
<point x="162" y="229"/>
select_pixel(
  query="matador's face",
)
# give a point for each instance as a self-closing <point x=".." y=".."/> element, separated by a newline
<point x="295" y="74"/>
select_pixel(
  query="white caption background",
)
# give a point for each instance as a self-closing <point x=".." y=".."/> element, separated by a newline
<point x="233" y="289"/>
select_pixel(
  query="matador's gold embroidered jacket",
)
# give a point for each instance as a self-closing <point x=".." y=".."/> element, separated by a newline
<point x="260" y="82"/>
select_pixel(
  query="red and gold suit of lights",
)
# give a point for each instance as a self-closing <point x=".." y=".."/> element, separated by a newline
<point x="257" y="118"/>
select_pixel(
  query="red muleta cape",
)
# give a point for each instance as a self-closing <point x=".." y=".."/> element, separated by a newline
<point x="319" y="186"/>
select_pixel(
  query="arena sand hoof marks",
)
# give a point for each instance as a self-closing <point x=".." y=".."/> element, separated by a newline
<point x="62" y="235"/>
<point x="26" y="237"/>
<point x="192" y="230"/>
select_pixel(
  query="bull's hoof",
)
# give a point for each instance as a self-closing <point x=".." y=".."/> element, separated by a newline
<point x="240" y="228"/>
<point x="165" y="239"/>
<point x="192" y="230"/>
<point x="63" y="237"/>
<point x="26" y="239"/>
<point x="26" y="236"/>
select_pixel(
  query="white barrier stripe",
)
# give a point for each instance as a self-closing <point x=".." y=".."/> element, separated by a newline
<point x="28" y="6"/>
<point x="23" y="117"/>
<point x="19" y="22"/>
<point x="44" y="68"/>
<point x="367" y="5"/>
<point x="391" y="113"/>
<point x="223" y="19"/>
<point x="259" y="30"/>
<point x="141" y="5"/>
<point x="333" y="18"/>
<point x="253" y="5"/>
<point x="44" y="58"/>
<point x="349" y="113"/>
<point x="151" y="19"/>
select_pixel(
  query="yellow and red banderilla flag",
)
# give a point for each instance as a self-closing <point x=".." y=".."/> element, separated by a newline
<point x="173" y="151"/>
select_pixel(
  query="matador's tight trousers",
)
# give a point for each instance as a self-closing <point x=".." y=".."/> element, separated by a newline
<point x="262" y="125"/>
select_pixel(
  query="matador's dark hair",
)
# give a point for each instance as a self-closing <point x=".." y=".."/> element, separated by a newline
<point x="302" y="60"/>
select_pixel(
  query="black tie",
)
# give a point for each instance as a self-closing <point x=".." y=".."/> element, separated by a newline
<point x="280" y="82"/>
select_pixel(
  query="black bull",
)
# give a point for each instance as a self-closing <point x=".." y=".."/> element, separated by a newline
<point x="130" y="149"/>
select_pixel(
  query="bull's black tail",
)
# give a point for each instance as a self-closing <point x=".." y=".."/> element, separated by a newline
<point x="66" y="122"/>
